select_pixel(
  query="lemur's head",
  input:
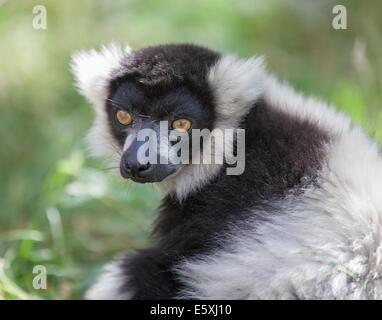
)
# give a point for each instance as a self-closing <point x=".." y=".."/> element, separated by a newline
<point x="166" y="91"/>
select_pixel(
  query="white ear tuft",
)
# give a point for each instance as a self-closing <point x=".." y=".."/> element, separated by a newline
<point x="92" y="70"/>
<point x="237" y="84"/>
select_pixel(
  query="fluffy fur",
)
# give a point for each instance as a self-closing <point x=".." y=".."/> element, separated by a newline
<point x="304" y="221"/>
<point x="110" y="283"/>
<point x="93" y="72"/>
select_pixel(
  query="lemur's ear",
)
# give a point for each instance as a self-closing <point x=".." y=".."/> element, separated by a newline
<point x="92" y="70"/>
<point x="236" y="83"/>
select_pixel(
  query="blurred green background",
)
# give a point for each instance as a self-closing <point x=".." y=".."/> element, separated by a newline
<point x="60" y="209"/>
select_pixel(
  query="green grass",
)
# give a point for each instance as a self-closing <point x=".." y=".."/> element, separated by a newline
<point x="60" y="209"/>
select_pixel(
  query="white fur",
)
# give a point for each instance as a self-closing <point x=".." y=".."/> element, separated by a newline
<point x="189" y="178"/>
<point x="93" y="71"/>
<point x="236" y="84"/>
<point x="284" y="98"/>
<point x="192" y="176"/>
<point x="109" y="283"/>
<point x="324" y="244"/>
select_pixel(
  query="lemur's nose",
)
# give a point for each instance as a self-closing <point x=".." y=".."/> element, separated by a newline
<point x="130" y="166"/>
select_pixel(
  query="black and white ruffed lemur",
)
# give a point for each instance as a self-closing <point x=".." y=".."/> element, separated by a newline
<point x="304" y="219"/>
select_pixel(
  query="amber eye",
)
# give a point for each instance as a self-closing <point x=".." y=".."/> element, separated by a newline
<point x="124" y="117"/>
<point x="181" y="124"/>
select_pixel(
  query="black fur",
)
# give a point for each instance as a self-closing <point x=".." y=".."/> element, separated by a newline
<point x="282" y="154"/>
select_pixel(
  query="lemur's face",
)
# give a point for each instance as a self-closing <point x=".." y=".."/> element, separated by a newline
<point x="132" y="108"/>
<point x="165" y="91"/>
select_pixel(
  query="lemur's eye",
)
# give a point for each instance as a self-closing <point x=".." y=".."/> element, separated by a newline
<point x="181" y="124"/>
<point x="124" y="117"/>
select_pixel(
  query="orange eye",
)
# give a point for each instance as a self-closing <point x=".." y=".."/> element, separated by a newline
<point x="124" y="117"/>
<point x="181" y="125"/>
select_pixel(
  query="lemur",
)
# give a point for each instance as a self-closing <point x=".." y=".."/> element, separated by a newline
<point x="303" y="220"/>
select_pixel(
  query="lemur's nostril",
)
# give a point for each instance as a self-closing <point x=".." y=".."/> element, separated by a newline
<point x="144" y="166"/>
<point x="125" y="166"/>
<point x="134" y="168"/>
